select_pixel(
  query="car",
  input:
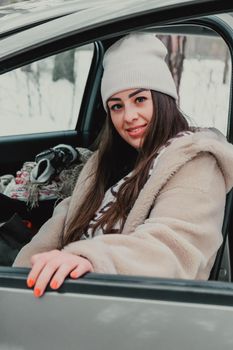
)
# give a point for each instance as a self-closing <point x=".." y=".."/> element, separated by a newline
<point x="42" y="107"/>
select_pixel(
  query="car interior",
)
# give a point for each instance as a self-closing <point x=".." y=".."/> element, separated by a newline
<point x="87" y="123"/>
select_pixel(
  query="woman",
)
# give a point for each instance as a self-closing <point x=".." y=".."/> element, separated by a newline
<point x="146" y="202"/>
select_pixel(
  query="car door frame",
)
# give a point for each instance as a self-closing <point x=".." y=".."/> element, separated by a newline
<point x="214" y="293"/>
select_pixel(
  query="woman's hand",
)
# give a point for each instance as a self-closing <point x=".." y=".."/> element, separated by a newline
<point x="53" y="267"/>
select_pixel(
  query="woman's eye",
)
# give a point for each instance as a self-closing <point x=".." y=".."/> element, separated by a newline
<point x="140" y="99"/>
<point x="115" y="107"/>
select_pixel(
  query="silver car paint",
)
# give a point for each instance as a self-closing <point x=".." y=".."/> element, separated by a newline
<point x="73" y="321"/>
<point x="80" y="21"/>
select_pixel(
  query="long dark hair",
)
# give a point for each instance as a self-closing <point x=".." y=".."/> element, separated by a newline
<point x="115" y="159"/>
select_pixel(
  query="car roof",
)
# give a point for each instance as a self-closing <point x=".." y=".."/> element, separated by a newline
<point x="82" y="18"/>
<point x="15" y="17"/>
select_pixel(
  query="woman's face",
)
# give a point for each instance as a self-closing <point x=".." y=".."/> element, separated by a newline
<point x="131" y="112"/>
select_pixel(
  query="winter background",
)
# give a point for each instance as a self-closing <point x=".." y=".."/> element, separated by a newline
<point x="32" y="101"/>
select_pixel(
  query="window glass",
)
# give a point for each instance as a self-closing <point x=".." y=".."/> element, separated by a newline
<point x="45" y="95"/>
<point x="201" y="67"/>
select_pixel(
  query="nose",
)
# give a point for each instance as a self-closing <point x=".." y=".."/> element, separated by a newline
<point x="130" y="114"/>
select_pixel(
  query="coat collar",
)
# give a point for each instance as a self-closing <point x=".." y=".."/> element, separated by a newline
<point x="173" y="158"/>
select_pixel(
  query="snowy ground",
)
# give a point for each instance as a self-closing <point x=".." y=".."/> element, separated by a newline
<point x="34" y="103"/>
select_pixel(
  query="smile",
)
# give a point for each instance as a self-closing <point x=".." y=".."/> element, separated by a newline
<point x="137" y="130"/>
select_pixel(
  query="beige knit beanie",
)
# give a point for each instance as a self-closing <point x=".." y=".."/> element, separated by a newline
<point x="136" y="61"/>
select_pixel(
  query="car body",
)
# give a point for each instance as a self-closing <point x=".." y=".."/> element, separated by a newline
<point x="108" y="311"/>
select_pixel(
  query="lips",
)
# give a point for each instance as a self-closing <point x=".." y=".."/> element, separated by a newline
<point x="137" y="130"/>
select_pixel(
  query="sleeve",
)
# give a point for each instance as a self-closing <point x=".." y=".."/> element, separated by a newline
<point x="48" y="236"/>
<point x="181" y="236"/>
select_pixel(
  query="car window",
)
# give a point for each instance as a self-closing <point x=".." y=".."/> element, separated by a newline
<point x="45" y="95"/>
<point x="201" y="68"/>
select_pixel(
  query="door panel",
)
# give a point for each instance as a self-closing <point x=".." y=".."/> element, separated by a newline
<point x="102" y="312"/>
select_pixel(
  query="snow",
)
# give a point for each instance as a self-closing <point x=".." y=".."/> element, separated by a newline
<point x="203" y="96"/>
<point x="33" y="102"/>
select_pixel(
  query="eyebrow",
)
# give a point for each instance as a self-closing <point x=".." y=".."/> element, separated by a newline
<point x="130" y="95"/>
<point x="136" y="92"/>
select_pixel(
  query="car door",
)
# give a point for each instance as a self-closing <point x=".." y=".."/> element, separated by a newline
<point x="106" y="311"/>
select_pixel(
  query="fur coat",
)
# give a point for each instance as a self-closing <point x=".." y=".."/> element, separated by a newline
<point x="174" y="227"/>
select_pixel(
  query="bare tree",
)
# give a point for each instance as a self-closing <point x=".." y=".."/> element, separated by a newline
<point x="226" y="66"/>
<point x="176" y="54"/>
<point x="64" y="66"/>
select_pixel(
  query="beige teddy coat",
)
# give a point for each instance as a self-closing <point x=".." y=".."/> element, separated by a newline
<point x="179" y="237"/>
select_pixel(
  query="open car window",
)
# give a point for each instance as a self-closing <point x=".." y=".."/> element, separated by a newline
<point x="103" y="311"/>
<point x="45" y="95"/>
<point x="201" y="68"/>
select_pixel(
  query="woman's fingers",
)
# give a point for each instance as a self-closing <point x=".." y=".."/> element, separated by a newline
<point x="34" y="273"/>
<point x="61" y="274"/>
<point x="45" y="276"/>
<point x="38" y="263"/>
<point x="53" y="267"/>
<point x="81" y="269"/>
<point x="77" y="268"/>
